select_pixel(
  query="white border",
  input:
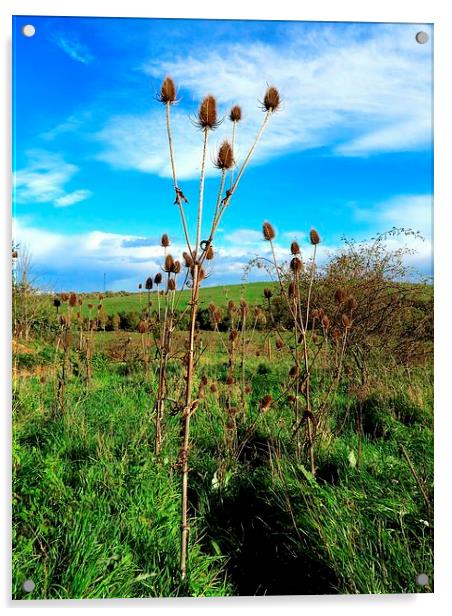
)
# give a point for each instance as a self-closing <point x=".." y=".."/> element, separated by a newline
<point x="427" y="11"/>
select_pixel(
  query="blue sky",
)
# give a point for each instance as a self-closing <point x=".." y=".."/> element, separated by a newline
<point x="349" y="153"/>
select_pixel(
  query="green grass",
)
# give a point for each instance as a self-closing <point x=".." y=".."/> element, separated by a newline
<point x="96" y="515"/>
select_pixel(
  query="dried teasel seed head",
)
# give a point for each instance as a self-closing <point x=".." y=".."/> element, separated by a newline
<point x="171" y="284"/>
<point x="56" y="302"/>
<point x="79" y="301"/>
<point x="268" y="231"/>
<point x="99" y="307"/>
<point x="158" y="278"/>
<point x="148" y="284"/>
<point x="296" y="264"/>
<point x="72" y="300"/>
<point x="294" y="371"/>
<point x="225" y="156"/>
<point x="169" y="263"/>
<point x="176" y="267"/>
<point x="314" y="338"/>
<point x="233" y="335"/>
<point x="64" y="297"/>
<point x="292" y="289"/>
<point x="266" y="402"/>
<point x="142" y="327"/>
<point x="140" y="286"/>
<point x="42" y="380"/>
<point x="187" y="259"/>
<point x="204" y="380"/>
<point x="230" y="380"/>
<point x="90" y="306"/>
<point x="248" y="389"/>
<point x="243" y="303"/>
<point x="67" y="340"/>
<point x="346" y="321"/>
<point x="209" y="253"/>
<point x="325" y="321"/>
<point x="315" y="314"/>
<point x="236" y="114"/>
<point x="295" y="248"/>
<point x="351" y="304"/>
<point x="231" y="306"/>
<point x="279" y="343"/>
<point x="15" y="254"/>
<point x="272" y="99"/>
<point x="340" y="296"/>
<point x="314" y="237"/>
<point x="321" y="313"/>
<point x="214" y="388"/>
<point x="207" y="114"/>
<point x="167" y="91"/>
<point x="268" y="293"/>
<point x="212" y="307"/>
<point x="101" y="296"/>
<point x="230" y="424"/>
<point x="165" y="241"/>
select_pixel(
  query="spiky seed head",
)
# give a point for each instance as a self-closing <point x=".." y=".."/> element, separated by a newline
<point x="340" y="296"/>
<point x="346" y="321"/>
<point x="207" y="114"/>
<point x="165" y="241"/>
<point x="231" y="306"/>
<point x="295" y="264"/>
<point x="167" y="91"/>
<point x="101" y="296"/>
<point x="295" y="248"/>
<point x="187" y="259"/>
<point x="142" y="327"/>
<point x="204" y="380"/>
<point x="90" y="306"/>
<point x="217" y="316"/>
<point x="248" y="389"/>
<point x="315" y="314"/>
<point x="233" y="335"/>
<point x="325" y="321"/>
<point x="272" y="99"/>
<point x="236" y="114"/>
<point x="15" y="254"/>
<point x="214" y="388"/>
<point x="72" y="300"/>
<point x="279" y="343"/>
<point x="225" y="156"/>
<point x="67" y="340"/>
<point x="230" y="380"/>
<point x="268" y="293"/>
<point x="292" y="289"/>
<point x="140" y="286"/>
<point x="158" y="278"/>
<point x="201" y="274"/>
<point x="351" y="304"/>
<point x="268" y="231"/>
<point x="266" y="402"/>
<point x="314" y="338"/>
<point x="176" y="267"/>
<point x="321" y="313"/>
<point x="56" y="302"/>
<point x="99" y="307"/>
<point x="169" y="263"/>
<point x="314" y="237"/>
<point x="148" y="284"/>
<point x="64" y="297"/>
<point x="42" y="380"/>
<point x="294" y="371"/>
<point x="230" y="424"/>
<point x="336" y="334"/>
<point x="209" y="253"/>
<point x="243" y="303"/>
<point x="212" y="307"/>
<point x="171" y="284"/>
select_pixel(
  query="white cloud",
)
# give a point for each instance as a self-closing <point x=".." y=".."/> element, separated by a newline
<point x="409" y="211"/>
<point x="73" y="48"/>
<point x="44" y="181"/>
<point x="356" y="95"/>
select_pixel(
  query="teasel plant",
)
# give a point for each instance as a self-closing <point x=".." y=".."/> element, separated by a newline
<point x="201" y="250"/>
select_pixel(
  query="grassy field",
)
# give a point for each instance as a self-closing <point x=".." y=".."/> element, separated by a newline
<point x="96" y="514"/>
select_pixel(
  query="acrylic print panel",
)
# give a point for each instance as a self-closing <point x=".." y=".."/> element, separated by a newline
<point x="223" y="293"/>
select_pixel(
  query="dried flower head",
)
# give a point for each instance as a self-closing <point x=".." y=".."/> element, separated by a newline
<point x="225" y="156"/>
<point x="236" y="114"/>
<point x="230" y="380"/>
<point x="90" y="306"/>
<point x="315" y="314"/>
<point x="248" y="389"/>
<point x="209" y="253"/>
<point x="56" y="302"/>
<point x="233" y="335"/>
<point x="140" y="286"/>
<point x="171" y="284"/>
<point x="296" y="264"/>
<point x="351" y="304"/>
<point x="340" y="296"/>
<point x="214" y="388"/>
<point x="64" y="297"/>
<point x="167" y="91"/>
<point x="271" y="100"/>
<point x="325" y="321"/>
<point x="314" y="237"/>
<point x="207" y="114"/>
<point x="176" y="267"/>
<point x="165" y="241"/>
<point x="142" y="327"/>
<point x="72" y="300"/>
<point x="148" y="283"/>
<point x="169" y="263"/>
<point x="295" y="248"/>
<point x="268" y="231"/>
<point x="187" y="258"/>
<point x="15" y="254"/>
<point x="279" y="344"/>
<point x="158" y="278"/>
<point x="346" y="321"/>
<point x="231" y="306"/>
<point x="266" y="402"/>
<point x="294" y="371"/>
<point x="268" y="293"/>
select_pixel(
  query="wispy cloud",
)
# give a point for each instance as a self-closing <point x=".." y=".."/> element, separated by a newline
<point x="44" y="180"/>
<point x="409" y="211"/>
<point x="356" y="95"/>
<point x="73" y="48"/>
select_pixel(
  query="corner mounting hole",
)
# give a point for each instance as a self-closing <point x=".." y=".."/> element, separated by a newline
<point x="422" y="579"/>
<point x="422" y="37"/>
<point x="28" y="30"/>
<point x="28" y="586"/>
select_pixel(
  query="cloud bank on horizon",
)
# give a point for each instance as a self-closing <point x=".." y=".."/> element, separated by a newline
<point x="350" y="152"/>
